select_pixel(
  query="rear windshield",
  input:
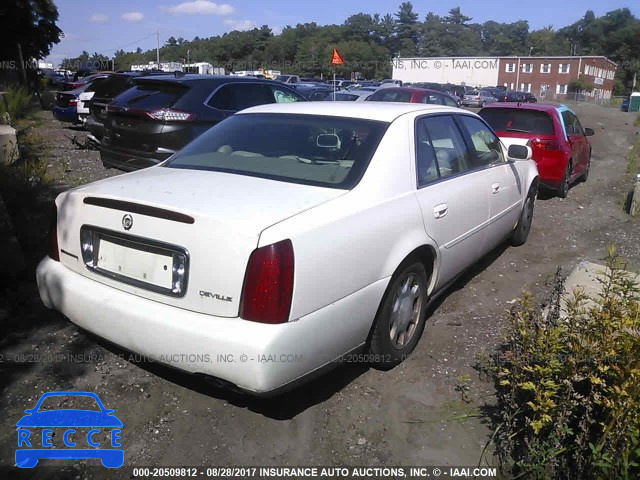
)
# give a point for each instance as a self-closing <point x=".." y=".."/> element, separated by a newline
<point x="391" y="96"/>
<point x="308" y="149"/>
<point x="113" y="86"/>
<point x="150" y="95"/>
<point x="516" y="120"/>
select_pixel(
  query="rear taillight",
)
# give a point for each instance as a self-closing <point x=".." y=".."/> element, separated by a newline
<point x="54" y="251"/>
<point x="73" y="102"/>
<point x="268" y="284"/>
<point x="170" y="115"/>
<point x="539" y="144"/>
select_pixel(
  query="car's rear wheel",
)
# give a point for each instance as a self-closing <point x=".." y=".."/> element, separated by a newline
<point x="483" y="104"/>
<point x="521" y="232"/>
<point x="401" y="317"/>
<point x="563" y="191"/>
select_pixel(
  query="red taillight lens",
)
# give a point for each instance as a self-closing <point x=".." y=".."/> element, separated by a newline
<point x="170" y="115"/>
<point x="54" y="251"/>
<point x="73" y="102"/>
<point x="268" y="284"/>
<point x="539" y="144"/>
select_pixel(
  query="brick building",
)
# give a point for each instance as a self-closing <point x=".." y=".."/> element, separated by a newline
<point x="545" y="77"/>
<point x="550" y="77"/>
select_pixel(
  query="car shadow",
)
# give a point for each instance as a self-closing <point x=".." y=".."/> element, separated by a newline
<point x="466" y="277"/>
<point x="280" y="406"/>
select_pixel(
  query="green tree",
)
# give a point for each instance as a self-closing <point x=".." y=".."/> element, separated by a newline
<point x="30" y="24"/>
<point x="407" y="31"/>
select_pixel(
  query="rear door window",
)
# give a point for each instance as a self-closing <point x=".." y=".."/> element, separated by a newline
<point x="518" y="121"/>
<point x="238" y="96"/>
<point x="569" y="120"/>
<point x="440" y="150"/>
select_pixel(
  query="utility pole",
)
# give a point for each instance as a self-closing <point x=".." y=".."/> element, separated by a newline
<point x="158" y="48"/>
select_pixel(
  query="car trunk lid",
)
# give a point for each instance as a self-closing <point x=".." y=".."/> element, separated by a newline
<point x="139" y="225"/>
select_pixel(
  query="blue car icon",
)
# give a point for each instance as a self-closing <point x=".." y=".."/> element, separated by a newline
<point x="29" y="451"/>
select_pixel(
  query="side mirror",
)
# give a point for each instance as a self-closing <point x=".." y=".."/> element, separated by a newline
<point x="520" y="152"/>
<point x="589" y="132"/>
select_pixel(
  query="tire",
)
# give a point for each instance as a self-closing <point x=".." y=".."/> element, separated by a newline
<point x="563" y="190"/>
<point x="483" y="104"/>
<point x="521" y="232"/>
<point x="401" y="317"/>
<point x="585" y="174"/>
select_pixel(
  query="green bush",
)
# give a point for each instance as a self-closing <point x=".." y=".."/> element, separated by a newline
<point x="16" y="101"/>
<point x="568" y="386"/>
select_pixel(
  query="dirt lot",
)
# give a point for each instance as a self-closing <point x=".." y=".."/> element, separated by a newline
<point x="427" y="411"/>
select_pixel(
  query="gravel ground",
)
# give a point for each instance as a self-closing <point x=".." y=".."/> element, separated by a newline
<point x="427" y="411"/>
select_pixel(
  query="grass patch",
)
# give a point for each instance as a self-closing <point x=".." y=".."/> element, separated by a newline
<point x="568" y="387"/>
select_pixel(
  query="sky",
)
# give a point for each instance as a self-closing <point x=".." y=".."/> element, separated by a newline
<point x="105" y="27"/>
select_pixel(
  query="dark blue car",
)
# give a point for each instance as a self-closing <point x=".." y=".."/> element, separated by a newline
<point x="69" y="445"/>
<point x="65" y="107"/>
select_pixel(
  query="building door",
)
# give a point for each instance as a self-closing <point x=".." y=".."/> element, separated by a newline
<point x="543" y="90"/>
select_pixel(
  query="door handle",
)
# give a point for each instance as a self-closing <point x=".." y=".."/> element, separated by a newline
<point x="441" y="210"/>
<point x="495" y="188"/>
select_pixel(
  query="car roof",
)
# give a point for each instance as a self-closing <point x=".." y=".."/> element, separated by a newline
<point x="541" y="107"/>
<point x="195" y="78"/>
<point x="413" y="90"/>
<point x="379" y="111"/>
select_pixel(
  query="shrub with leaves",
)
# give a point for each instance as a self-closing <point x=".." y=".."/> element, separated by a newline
<point x="16" y="102"/>
<point x="568" y="383"/>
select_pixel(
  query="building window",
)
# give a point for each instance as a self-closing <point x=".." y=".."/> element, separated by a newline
<point x="545" y="68"/>
<point x="511" y="86"/>
<point x="561" y="89"/>
<point x="564" y="68"/>
<point x="525" y="87"/>
<point x="527" y="67"/>
<point x="510" y="67"/>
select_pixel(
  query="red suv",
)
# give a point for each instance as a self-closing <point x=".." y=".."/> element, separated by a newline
<point x="559" y="143"/>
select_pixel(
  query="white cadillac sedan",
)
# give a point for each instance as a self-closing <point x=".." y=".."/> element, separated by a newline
<point x="288" y="236"/>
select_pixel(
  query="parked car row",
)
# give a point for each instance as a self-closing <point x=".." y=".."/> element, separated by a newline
<point x="265" y="177"/>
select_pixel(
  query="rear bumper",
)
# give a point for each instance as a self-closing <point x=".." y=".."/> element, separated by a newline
<point x="551" y="170"/>
<point x="66" y="114"/>
<point x="255" y="357"/>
